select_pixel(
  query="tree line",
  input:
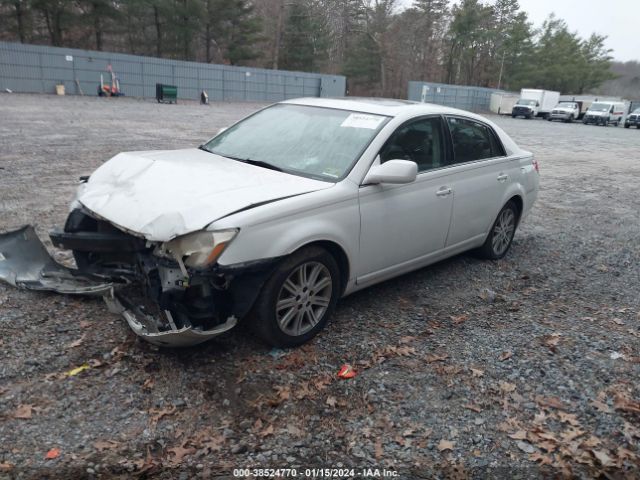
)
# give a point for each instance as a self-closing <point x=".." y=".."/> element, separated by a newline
<point x="375" y="43"/>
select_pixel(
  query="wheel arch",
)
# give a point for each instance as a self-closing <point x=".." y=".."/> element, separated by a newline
<point x="340" y="256"/>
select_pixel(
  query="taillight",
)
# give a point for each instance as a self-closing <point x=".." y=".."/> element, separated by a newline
<point x="535" y="165"/>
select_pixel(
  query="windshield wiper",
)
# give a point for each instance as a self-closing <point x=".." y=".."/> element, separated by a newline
<point x="260" y="163"/>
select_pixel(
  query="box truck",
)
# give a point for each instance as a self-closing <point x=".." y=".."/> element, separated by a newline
<point x="535" y="103"/>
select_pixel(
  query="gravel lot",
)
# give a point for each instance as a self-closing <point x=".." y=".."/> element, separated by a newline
<point x="526" y="367"/>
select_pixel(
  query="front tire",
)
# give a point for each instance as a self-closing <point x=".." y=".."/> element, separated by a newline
<point x="298" y="299"/>
<point x="501" y="234"/>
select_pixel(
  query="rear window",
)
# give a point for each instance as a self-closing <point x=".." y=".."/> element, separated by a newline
<point x="473" y="141"/>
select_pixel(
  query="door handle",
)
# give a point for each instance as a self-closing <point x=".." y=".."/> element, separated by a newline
<point x="502" y="177"/>
<point x="443" y="192"/>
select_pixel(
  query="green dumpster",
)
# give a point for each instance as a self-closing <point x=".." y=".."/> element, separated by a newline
<point x="166" y="93"/>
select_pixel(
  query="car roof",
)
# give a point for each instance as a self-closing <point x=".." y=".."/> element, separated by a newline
<point x="379" y="106"/>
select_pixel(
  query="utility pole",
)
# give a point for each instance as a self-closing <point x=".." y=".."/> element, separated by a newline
<point x="501" y="68"/>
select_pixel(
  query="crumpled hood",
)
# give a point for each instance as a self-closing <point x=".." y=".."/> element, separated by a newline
<point x="164" y="194"/>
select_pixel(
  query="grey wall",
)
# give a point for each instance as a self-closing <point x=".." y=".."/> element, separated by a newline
<point x="473" y="99"/>
<point x="37" y="69"/>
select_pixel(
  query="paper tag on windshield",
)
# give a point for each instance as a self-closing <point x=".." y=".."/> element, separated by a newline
<point x="362" y="120"/>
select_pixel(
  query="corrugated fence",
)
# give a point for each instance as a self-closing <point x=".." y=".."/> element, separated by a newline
<point x="473" y="99"/>
<point x="38" y="69"/>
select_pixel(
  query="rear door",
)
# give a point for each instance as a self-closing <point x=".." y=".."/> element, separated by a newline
<point x="482" y="174"/>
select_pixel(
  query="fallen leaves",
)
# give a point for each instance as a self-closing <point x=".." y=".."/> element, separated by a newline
<point x="624" y="403"/>
<point x="601" y="406"/>
<point x="77" y="343"/>
<point x="75" y="371"/>
<point x="102" y="445"/>
<point x="603" y="457"/>
<point x="507" y="387"/>
<point x="179" y="452"/>
<point x="444" y="445"/>
<point x="23" y="412"/>
<point x="476" y="372"/>
<point x="505" y="356"/>
<point x="158" y="413"/>
<point x="436" y="357"/>
<point x="331" y="401"/>
<point x="6" y="466"/>
<point x="550" y="402"/>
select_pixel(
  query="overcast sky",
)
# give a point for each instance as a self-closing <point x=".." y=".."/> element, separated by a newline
<point x="617" y="19"/>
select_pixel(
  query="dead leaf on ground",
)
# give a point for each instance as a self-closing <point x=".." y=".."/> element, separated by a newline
<point x="295" y="431"/>
<point x="569" y="418"/>
<point x="379" y="451"/>
<point x="473" y="407"/>
<point x="626" y="404"/>
<point x="436" y="357"/>
<point x="541" y="459"/>
<point x="267" y="431"/>
<point x="601" y="406"/>
<point x="158" y="413"/>
<point x="23" y="412"/>
<point x="507" y="387"/>
<point x="572" y="434"/>
<point x="445" y="445"/>
<point x="552" y="402"/>
<point x="331" y="401"/>
<point x="505" y="356"/>
<point x="101" y="445"/>
<point x="6" y="467"/>
<point x="603" y="457"/>
<point x="519" y="435"/>
<point x="76" y="343"/>
<point x="179" y="453"/>
<point x="458" y="319"/>
<point x="476" y="372"/>
<point x="617" y="321"/>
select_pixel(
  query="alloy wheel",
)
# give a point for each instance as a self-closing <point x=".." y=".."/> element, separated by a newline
<point x="304" y="298"/>
<point x="503" y="231"/>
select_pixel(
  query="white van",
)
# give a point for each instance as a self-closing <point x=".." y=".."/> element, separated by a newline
<point x="604" y="113"/>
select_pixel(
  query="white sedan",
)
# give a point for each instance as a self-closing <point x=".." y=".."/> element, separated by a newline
<point x="280" y="215"/>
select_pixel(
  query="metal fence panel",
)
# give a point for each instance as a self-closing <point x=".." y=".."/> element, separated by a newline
<point x="475" y="99"/>
<point x="35" y="68"/>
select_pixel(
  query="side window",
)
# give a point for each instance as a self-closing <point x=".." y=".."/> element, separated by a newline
<point x="421" y="141"/>
<point x="473" y="141"/>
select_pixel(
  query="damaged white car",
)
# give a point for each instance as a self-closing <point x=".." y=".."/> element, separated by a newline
<point x="280" y="215"/>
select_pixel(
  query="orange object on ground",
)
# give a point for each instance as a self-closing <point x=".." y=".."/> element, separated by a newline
<point x="53" y="453"/>
<point x="346" y="371"/>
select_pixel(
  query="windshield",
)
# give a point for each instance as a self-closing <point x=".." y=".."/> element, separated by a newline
<point x="566" y="105"/>
<point x="522" y="101"/>
<point x="316" y="142"/>
<point x="636" y="111"/>
<point x="600" y="107"/>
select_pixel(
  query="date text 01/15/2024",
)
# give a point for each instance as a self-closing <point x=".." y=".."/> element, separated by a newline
<point x="314" y="473"/>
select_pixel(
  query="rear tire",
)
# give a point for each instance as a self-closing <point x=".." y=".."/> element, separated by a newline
<point x="298" y="299"/>
<point x="501" y="234"/>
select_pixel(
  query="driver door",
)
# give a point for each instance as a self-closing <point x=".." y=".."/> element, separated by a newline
<point x="404" y="225"/>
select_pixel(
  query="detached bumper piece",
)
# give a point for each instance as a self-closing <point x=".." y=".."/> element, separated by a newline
<point x="25" y="263"/>
<point x="153" y="328"/>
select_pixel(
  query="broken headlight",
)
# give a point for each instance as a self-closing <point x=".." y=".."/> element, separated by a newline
<point x="200" y="249"/>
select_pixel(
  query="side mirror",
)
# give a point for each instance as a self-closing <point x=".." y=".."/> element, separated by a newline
<point x="392" y="171"/>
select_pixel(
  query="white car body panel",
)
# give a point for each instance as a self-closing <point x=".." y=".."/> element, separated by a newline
<point x="277" y="213"/>
<point x="163" y="194"/>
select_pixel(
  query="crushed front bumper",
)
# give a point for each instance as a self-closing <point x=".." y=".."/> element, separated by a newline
<point x="159" y="303"/>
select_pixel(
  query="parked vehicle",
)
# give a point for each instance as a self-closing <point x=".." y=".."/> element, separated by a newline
<point x="535" y="103"/>
<point x="604" y="113"/>
<point x="280" y="215"/>
<point x="633" y="120"/>
<point x="566" y="111"/>
<point x="502" y="103"/>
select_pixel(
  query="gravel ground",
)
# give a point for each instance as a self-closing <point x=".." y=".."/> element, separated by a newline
<point x="526" y="367"/>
